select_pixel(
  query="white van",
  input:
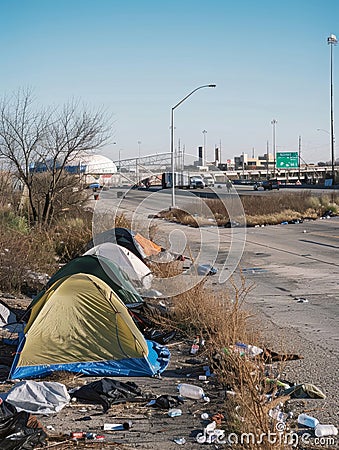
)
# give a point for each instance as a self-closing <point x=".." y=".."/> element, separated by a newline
<point x="208" y="180"/>
<point x="197" y="182"/>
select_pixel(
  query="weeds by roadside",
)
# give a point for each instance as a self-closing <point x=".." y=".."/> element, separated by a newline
<point x="270" y="209"/>
<point x="219" y="316"/>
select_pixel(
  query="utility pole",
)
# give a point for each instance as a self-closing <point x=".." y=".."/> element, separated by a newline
<point x="220" y="160"/>
<point x="274" y="122"/>
<point x="243" y="165"/>
<point x="183" y="157"/>
<point x="332" y="40"/>
<point x="299" y="157"/>
<point x="204" y="151"/>
<point x="267" y="158"/>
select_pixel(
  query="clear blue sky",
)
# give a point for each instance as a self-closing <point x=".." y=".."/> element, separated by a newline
<point x="138" y="58"/>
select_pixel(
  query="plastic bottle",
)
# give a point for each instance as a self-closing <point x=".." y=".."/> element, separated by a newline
<point x="191" y="391"/>
<point x="195" y="346"/>
<point x="325" y="430"/>
<point x="277" y="414"/>
<point x="246" y="349"/>
<point x="174" y="412"/>
<point x="308" y="421"/>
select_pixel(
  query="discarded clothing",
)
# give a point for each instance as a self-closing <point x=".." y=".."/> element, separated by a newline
<point x="38" y="397"/>
<point x="271" y="356"/>
<point x="305" y="390"/>
<point x="143" y="313"/>
<point x="19" y="430"/>
<point x="328" y="213"/>
<point x="159" y="336"/>
<point x="166" y="401"/>
<point x="107" y="392"/>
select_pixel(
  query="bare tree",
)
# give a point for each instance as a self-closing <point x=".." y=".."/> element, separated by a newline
<point x="37" y="141"/>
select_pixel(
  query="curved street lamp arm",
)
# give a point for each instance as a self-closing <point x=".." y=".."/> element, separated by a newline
<point x="196" y="89"/>
<point x="172" y="136"/>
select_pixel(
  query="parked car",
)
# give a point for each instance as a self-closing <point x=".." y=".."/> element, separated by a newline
<point x="257" y="185"/>
<point x="267" y="185"/>
<point x="271" y="184"/>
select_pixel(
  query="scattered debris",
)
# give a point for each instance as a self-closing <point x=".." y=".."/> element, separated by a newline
<point x="305" y="390"/>
<point x="301" y="300"/>
<point x="180" y="441"/>
<point x="174" y="412"/>
<point x="117" y="426"/>
<point x="19" y="429"/>
<point x="218" y="418"/>
<point x="38" y="397"/>
<point x="307" y="421"/>
<point x="165" y="402"/>
<point x="192" y="391"/>
<point x="195" y="346"/>
<point x="107" y="392"/>
<point x="325" y="430"/>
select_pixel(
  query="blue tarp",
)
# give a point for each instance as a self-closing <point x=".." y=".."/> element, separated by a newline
<point x="155" y="363"/>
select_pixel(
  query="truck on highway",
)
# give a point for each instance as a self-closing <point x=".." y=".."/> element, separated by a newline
<point x="181" y="180"/>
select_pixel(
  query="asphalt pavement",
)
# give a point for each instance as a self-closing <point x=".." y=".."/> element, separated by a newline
<point x="293" y="270"/>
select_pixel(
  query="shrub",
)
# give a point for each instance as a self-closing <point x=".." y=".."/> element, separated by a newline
<point x="25" y="259"/>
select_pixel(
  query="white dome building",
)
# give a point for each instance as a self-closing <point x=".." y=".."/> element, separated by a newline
<point x="89" y="164"/>
<point x="93" y="168"/>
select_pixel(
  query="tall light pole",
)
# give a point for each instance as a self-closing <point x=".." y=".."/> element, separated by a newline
<point x="274" y="122"/>
<point x="299" y="157"/>
<point x="332" y="40"/>
<point x="172" y="135"/>
<point x="137" y="165"/>
<point x="204" y="149"/>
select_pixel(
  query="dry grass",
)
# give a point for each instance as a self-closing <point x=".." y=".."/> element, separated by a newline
<point x="24" y="259"/>
<point x="29" y="256"/>
<point x="270" y="209"/>
<point x="220" y="317"/>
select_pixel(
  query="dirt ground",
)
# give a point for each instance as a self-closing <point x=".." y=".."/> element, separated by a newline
<point x="306" y="329"/>
<point x="152" y="428"/>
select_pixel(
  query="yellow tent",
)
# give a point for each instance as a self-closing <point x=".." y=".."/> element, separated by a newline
<point x="80" y="325"/>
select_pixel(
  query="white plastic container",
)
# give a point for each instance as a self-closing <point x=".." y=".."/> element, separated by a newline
<point x="308" y="421"/>
<point x="117" y="426"/>
<point x="191" y="391"/>
<point x="174" y="412"/>
<point x="325" y="430"/>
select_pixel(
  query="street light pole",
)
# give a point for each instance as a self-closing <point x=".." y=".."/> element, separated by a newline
<point x="139" y="144"/>
<point x="172" y="135"/>
<point x="204" y="149"/>
<point x="274" y="122"/>
<point x="332" y="40"/>
<point x="137" y="166"/>
<point x="299" y="157"/>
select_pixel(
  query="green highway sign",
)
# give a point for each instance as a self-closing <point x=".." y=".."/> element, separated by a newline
<point x="287" y="160"/>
